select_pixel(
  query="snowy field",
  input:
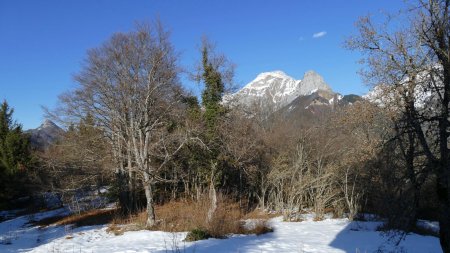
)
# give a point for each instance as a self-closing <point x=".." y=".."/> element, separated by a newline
<point x="331" y="235"/>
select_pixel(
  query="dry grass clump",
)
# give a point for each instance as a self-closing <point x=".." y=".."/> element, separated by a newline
<point x="260" y="214"/>
<point x="132" y="222"/>
<point x="187" y="215"/>
<point x="226" y="220"/>
<point x="318" y="218"/>
<point x="175" y="216"/>
<point x="122" y="223"/>
<point x="260" y="227"/>
<point x="88" y="218"/>
<point x="182" y="215"/>
<point x="115" y="229"/>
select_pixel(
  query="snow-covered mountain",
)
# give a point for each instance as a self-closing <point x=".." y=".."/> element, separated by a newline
<point x="277" y="94"/>
<point x="277" y="89"/>
<point x="45" y="135"/>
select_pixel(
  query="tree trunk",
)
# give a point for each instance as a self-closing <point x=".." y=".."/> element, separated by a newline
<point x="212" y="193"/>
<point x="148" y="188"/>
<point x="443" y="182"/>
<point x="443" y="191"/>
<point x="213" y="198"/>
<point x="444" y="224"/>
<point x="132" y="200"/>
<point x="415" y="186"/>
<point x="122" y="185"/>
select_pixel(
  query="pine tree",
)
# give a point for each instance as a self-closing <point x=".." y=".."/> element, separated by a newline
<point x="15" y="154"/>
<point x="14" y="151"/>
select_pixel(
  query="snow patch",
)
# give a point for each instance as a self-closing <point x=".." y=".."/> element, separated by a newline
<point x="330" y="235"/>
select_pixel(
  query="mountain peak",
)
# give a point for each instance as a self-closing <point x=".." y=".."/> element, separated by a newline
<point x="269" y="75"/>
<point x="278" y="73"/>
<point x="45" y="135"/>
<point x="278" y="89"/>
<point x="312" y="80"/>
<point x="311" y="73"/>
<point x="48" y="124"/>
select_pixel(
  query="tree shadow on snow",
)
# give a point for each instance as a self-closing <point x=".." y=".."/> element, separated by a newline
<point x="22" y="234"/>
<point x="236" y="243"/>
<point x="362" y="237"/>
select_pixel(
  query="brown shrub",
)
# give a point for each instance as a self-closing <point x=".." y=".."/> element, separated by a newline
<point x="318" y="218"/>
<point x="260" y="227"/>
<point x="260" y="214"/>
<point x="115" y="229"/>
<point x="226" y="220"/>
<point x="181" y="215"/>
<point x="187" y="215"/>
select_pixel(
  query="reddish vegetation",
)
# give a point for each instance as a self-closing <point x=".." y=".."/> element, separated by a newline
<point x="88" y="218"/>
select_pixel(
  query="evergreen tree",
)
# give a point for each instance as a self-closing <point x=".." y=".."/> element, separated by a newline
<point x="211" y="98"/>
<point x="212" y="94"/>
<point x="15" y="155"/>
<point x="14" y="151"/>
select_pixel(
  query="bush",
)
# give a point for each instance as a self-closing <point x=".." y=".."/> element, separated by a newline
<point x="196" y="235"/>
<point x="187" y="215"/>
<point x="115" y="229"/>
<point x="225" y="220"/>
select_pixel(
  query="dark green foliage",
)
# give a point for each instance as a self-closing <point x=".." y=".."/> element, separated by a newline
<point x="212" y="94"/>
<point x="196" y="235"/>
<point x="208" y="162"/>
<point x="193" y="107"/>
<point x="14" y="151"/>
<point x="15" y="157"/>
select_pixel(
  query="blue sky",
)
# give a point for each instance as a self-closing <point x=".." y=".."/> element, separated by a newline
<point x="43" y="43"/>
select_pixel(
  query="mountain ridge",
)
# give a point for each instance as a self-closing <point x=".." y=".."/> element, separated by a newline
<point x="277" y="89"/>
<point x="276" y="92"/>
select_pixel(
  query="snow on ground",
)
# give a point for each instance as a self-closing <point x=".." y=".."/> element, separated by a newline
<point x="6" y="215"/>
<point x="330" y="235"/>
<point x="18" y="235"/>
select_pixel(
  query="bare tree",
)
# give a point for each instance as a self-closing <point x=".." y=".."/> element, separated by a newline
<point x="289" y="180"/>
<point x="130" y="85"/>
<point x="414" y="60"/>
